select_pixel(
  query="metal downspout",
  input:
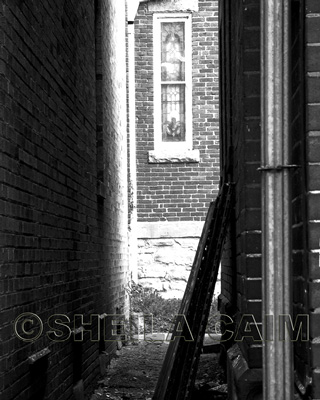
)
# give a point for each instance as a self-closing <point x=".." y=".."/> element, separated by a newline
<point x="276" y="219"/>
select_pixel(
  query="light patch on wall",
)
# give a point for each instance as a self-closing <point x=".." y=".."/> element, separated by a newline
<point x="173" y="5"/>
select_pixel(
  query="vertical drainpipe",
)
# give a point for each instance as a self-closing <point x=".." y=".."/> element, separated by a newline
<point x="275" y="169"/>
<point x="132" y="7"/>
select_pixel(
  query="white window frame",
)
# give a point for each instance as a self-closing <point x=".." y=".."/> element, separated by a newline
<point x="159" y="145"/>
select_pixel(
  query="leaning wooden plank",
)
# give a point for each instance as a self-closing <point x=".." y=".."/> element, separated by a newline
<point x="168" y="364"/>
<point x="212" y="262"/>
<point x="178" y="371"/>
<point x="198" y="314"/>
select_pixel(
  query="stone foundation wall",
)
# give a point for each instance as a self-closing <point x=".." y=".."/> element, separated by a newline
<point x="165" y="264"/>
<point x="165" y="258"/>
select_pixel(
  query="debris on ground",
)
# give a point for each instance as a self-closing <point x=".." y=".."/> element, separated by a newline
<point x="134" y="374"/>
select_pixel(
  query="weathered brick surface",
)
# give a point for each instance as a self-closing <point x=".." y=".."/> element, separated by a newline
<point x="115" y="150"/>
<point x="179" y="192"/>
<point x="63" y="248"/>
<point x="305" y="183"/>
<point x="308" y="279"/>
<point x="240" y="138"/>
<point x="240" y="135"/>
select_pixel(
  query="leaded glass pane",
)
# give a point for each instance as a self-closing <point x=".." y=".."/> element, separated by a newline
<point x="172" y="51"/>
<point x="173" y="113"/>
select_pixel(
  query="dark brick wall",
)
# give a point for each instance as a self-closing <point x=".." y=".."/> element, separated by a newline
<point x="310" y="276"/>
<point x="240" y="158"/>
<point x="305" y="186"/>
<point x="63" y="235"/>
<point x="299" y="186"/>
<point x="179" y="192"/>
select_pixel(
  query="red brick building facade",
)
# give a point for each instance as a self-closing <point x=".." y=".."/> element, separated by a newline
<point x="176" y="179"/>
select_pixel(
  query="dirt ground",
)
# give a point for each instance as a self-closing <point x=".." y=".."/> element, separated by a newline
<point x="134" y="374"/>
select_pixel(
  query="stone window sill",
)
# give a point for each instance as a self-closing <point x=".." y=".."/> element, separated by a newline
<point x="164" y="157"/>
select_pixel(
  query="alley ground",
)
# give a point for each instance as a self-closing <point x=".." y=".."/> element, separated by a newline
<point x="133" y="374"/>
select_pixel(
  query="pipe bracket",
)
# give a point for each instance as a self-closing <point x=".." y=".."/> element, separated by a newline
<point x="278" y="168"/>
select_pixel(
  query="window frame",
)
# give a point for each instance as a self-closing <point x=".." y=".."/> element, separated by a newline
<point x="159" y="145"/>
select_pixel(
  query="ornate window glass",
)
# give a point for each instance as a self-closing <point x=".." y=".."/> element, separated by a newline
<point x="172" y="81"/>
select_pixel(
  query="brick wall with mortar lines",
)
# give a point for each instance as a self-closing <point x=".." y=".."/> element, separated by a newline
<point x="305" y="184"/>
<point x="179" y="192"/>
<point x="248" y="211"/>
<point x="244" y="157"/>
<point x="299" y="215"/>
<point x="241" y="266"/>
<point x="52" y="248"/>
<point x="115" y="148"/>
<point x="228" y="272"/>
<point x="310" y="282"/>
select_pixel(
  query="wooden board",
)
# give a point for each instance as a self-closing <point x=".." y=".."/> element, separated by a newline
<point x="179" y="369"/>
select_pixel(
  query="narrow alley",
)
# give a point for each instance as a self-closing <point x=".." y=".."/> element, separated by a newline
<point x="159" y="160"/>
